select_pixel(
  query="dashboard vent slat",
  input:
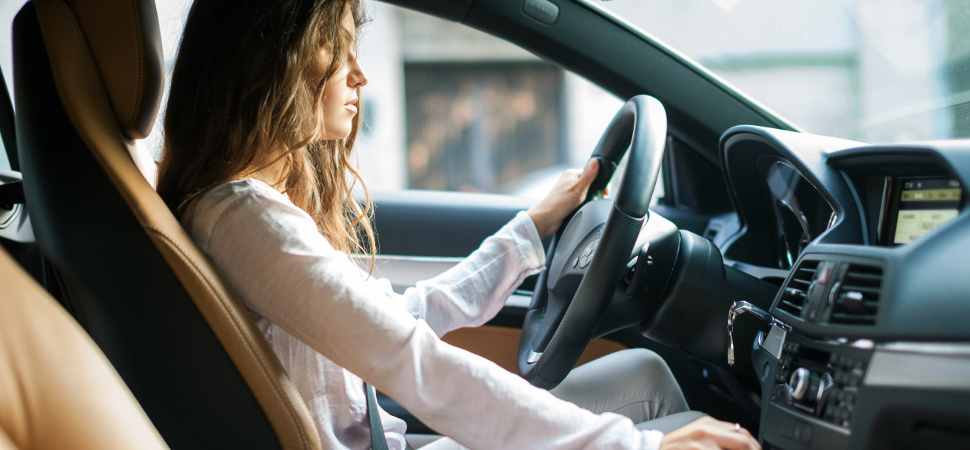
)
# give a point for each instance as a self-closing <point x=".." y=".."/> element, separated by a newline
<point x="794" y="295"/>
<point x="857" y="301"/>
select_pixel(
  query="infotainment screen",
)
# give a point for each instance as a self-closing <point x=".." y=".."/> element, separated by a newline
<point x="920" y="204"/>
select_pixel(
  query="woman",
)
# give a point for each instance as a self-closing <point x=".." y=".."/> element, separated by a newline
<point x="260" y="124"/>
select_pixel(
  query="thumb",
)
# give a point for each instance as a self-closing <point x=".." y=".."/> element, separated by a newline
<point x="589" y="173"/>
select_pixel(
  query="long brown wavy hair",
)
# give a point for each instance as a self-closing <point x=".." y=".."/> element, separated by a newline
<point x="240" y="101"/>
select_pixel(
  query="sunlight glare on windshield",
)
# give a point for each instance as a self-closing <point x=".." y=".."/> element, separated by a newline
<point x="872" y="70"/>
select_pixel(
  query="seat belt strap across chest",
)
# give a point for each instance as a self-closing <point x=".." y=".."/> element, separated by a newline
<point x="377" y="438"/>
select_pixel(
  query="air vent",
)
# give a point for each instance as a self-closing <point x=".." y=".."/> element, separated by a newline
<point x="856" y="300"/>
<point x="794" y="295"/>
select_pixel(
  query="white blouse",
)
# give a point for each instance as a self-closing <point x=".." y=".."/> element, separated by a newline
<point x="330" y="323"/>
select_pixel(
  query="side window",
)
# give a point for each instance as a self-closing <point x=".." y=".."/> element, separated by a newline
<point x="4" y="161"/>
<point x="171" y="21"/>
<point x="8" y="10"/>
<point x="450" y="108"/>
<point x="481" y="126"/>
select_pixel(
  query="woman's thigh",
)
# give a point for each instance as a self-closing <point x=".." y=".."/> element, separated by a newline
<point x="635" y="383"/>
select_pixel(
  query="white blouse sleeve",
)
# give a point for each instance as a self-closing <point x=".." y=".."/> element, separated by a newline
<point x="284" y="270"/>
<point x="475" y="290"/>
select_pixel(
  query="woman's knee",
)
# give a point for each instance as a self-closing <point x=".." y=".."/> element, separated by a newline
<point x="655" y="378"/>
<point x="643" y="361"/>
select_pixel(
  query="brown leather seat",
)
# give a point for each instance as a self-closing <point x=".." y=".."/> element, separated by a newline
<point x="88" y="81"/>
<point x="57" y="390"/>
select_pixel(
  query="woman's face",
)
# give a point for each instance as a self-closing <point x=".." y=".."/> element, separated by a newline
<point x="339" y="104"/>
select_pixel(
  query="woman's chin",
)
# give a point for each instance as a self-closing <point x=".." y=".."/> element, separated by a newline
<point x="335" y="135"/>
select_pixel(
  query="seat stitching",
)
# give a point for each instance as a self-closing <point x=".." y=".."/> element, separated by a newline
<point x="138" y="68"/>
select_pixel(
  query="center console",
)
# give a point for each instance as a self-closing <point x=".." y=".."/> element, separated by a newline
<point x="812" y="380"/>
<point x="814" y="392"/>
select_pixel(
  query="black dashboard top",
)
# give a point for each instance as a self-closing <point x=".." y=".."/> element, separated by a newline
<point x="827" y="211"/>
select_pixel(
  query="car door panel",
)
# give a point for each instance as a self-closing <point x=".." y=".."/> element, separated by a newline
<point x="439" y="224"/>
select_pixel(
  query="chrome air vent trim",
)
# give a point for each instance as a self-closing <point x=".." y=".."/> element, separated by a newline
<point x="856" y="301"/>
<point x="795" y="293"/>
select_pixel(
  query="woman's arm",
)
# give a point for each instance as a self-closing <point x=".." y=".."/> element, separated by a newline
<point x="474" y="291"/>
<point x="283" y="269"/>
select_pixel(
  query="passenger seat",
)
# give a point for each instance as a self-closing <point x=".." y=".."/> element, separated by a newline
<point x="57" y="390"/>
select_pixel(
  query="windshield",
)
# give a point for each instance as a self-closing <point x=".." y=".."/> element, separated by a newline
<point x="878" y="71"/>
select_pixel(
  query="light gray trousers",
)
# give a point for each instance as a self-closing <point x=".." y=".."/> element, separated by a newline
<point x="635" y="383"/>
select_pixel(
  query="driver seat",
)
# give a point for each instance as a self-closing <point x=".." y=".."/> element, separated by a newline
<point x="88" y="83"/>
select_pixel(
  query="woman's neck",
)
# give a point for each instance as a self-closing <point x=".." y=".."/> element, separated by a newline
<point x="271" y="174"/>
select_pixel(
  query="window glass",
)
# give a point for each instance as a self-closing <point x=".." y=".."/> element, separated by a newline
<point x="8" y="10"/>
<point x="481" y="127"/>
<point x="872" y="70"/>
<point x="4" y="161"/>
<point x="451" y="108"/>
<point x="171" y="20"/>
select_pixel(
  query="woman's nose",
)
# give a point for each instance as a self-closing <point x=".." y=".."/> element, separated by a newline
<point x="357" y="77"/>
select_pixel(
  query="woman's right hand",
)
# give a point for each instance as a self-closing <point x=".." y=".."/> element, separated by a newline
<point x="568" y="193"/>
<point x="709" y="433"/>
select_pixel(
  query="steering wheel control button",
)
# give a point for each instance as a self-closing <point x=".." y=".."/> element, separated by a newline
<point x="588" y="252"/>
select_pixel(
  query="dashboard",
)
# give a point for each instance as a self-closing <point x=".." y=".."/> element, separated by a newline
<point x="871" y="248"/>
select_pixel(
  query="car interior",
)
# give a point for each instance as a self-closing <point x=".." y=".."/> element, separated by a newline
<point x="45" y="406"/>
<point x="812" y="289"/>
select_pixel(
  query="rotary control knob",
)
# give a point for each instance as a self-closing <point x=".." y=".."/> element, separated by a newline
<point x="800" y="379"/>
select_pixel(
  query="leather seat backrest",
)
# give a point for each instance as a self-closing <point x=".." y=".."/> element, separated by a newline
<point x="57" y="390"/>
<point x="88" y="81"/>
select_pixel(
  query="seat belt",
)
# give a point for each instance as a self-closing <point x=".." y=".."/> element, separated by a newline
<point x="377" y="439"/>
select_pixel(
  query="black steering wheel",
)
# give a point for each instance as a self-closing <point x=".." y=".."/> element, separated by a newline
<point x="590" y="253"/>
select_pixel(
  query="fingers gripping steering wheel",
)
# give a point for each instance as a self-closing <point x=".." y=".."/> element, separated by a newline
<point x="564" y="316"/>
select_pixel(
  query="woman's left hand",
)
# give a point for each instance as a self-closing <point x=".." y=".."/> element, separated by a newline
<point x="563" y="199"/>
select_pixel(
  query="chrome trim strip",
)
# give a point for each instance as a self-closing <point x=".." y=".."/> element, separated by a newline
<point x="774" y="342"/>
<point x="406" y="271"/>
<point x="519" y="301"/>
<point x="919" y="370"/>
<point x="419" y="259"/>
<point x="928" y="348"/>
<point x="534" y="357"/>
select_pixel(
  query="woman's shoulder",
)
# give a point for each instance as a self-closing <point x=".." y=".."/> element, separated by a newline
<point x="250" y="192"/>
<point x="246" y="199"/>
<point x="237" y="189"/>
